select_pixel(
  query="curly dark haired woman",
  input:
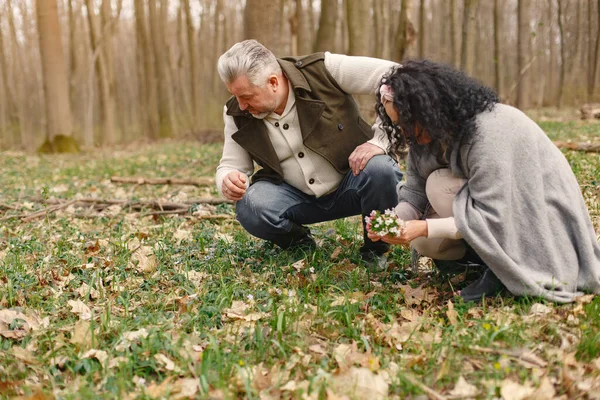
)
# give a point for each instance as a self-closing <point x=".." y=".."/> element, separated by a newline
<point x="483" y="178"/>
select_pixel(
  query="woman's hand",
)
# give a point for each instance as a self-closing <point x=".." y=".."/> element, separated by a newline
<point x="413" y="230"/>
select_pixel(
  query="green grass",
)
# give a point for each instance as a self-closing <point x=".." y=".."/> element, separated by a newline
<point x="224" y="315"/>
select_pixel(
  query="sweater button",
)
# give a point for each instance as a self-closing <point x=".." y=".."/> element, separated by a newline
<point x="311" y="181"/>
<point x="340" y="126"/>
<point x="276" y="124"/>
<point x="286" y="126"/>
<point x="301" y="155"/>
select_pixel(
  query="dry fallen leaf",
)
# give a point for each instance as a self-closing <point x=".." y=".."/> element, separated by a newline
<point x="15" y="324"/>
<point x="143" y="260"/>
<point x="99" y="355"/>
<point x="82" y="335"/>
<point x="78" y="307"/>
<point x="463" y="389"/>
<point x="182" y="235"/>
<point x="511" y="390"/>
<point x="539" y="309"/>
<point x="451" y="313"/>
<point x="166" y="361"/>
<point x="360" y="383"/>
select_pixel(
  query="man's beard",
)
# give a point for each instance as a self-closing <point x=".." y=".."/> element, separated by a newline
<point x="261" y="115"/>
<point x="264" y="114"/>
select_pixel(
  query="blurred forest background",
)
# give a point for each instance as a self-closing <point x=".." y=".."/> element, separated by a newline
<point x="84" y="73"/>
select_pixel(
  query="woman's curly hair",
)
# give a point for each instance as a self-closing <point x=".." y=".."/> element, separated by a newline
<point x="436" y="98"/>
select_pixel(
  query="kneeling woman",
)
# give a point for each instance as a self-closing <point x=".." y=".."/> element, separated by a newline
<point x="482" y="177"/>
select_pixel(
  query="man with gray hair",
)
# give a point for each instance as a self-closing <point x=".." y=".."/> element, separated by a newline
<point x="320" y="161"/>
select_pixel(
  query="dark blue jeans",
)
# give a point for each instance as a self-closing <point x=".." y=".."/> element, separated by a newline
<point x="277" y="212"/>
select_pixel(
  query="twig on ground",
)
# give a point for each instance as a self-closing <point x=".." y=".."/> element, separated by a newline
<point x="101" y="204"/>
<point x="432" y="394"/>
<point x="524" y="355"/>
<point x="203" y="181"/>
<point x="585" y="147"/>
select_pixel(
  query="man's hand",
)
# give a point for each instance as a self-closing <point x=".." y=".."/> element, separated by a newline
<point x="413" y="230"/>
<point x="361" y="155"/>
<point x="234" y="185"/>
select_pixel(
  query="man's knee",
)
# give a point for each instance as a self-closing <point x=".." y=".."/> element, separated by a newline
<point x="262" y="206"/>
<point x="383" y="168"/>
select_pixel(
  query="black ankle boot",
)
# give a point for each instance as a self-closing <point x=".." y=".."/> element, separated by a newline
<point x="298" y="238"/>
<point x="487" y="285"/>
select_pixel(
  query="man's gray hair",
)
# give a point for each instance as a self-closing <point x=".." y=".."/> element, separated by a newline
<point x="248" y="58"/>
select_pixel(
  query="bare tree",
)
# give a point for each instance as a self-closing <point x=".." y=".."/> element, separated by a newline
<point x="191" y="55"/>
<point x="59" y="126"/>
<point x="325" y="40"/>
<point x="262" y="24"/>
<point x="100" y="39"/>
<point x="146" y="72"/>
<point x="523" y="53"/>
<point x="421" y="33"/>
<point x="563" y="57"/>
<point x="303" y="32"/>
<point x="358" y="31"/>
<point x="466" y="36"/>
<point x="160" y="67"/>
<point x="405" y="33"/>
<point x="497" y="50"/>
<point x="596" y="60"/>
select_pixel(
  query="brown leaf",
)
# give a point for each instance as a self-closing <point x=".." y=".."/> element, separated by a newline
<point x="463" y="389"/>
<point x="22" y="324"/>
<point x="544" y="392"/>
<point x="99" y="355"/>
<point x="451" y="313"/>
<point x="514" y="391"/>
<point x="78" y="307"/>
<point x="336" y="253"/>
<point x="360" y="383"/>
<point x="82" y="335"/>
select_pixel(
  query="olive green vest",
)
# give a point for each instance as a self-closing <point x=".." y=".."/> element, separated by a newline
<point x="329" y="119"/>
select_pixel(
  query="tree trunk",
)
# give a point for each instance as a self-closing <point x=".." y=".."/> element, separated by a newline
<point x="379" y="28"/>
<point x="146" y="73"/>
<point x="100" y="39"/>
<point x="453" y="36"/>
<point x="262" y="24"/>
<point x="596" y="61"/>
<point x="158" y="47"/>
<point x="59" y="126"/>
<point x="405" y="34"/>
<point x="358" y="31"/>
<point x="326" y="33"/>
<point x="6" y="99"/>
<point x="304" y="34"/>
<point x="466" y="37"/>
<point x="192" y="57"/>
<point x="421" y="33"/>
<point x="497" y="50"/>
<point x="523" y="53"/>
<point x="561" y="77"/>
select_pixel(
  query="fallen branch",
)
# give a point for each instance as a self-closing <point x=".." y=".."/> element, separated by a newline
<point x="8" y="207"/>
<point x="524" y="355"/>
<point x="205" y="181"/>
<point x="432" y="394"/>
<point x="45" y="212"/>
<point x="162" y="208"/>
<point x="585" y="147"/>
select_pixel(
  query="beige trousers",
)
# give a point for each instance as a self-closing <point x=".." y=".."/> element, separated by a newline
<point x="441" y="188"/>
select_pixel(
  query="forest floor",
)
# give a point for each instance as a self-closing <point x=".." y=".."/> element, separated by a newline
<point x="107" y="294"/>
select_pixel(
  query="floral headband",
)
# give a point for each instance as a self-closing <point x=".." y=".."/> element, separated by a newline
<point x="386" y="92"/>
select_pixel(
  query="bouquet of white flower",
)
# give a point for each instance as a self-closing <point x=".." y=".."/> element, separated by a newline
<point x="387" y="223"/>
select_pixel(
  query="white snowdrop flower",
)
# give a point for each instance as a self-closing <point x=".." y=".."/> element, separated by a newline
<point x="250" y="297"/>
<point x="311" y="270"/>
